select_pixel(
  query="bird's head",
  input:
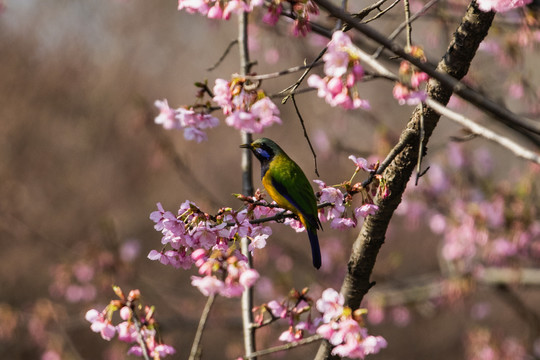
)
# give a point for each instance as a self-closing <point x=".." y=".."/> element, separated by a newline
<point x="264" y="149"/>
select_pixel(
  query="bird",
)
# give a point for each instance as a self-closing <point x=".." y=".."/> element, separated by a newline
<point x="289" y="187"/>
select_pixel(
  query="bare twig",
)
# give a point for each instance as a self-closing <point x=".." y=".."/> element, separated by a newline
<point x="477" y="129"/>
<point x="291" y="89"/>
<point x="382" y="12"/>
<point x="224" y="55"/>
<point x="195" y="353"/>
<point x="404" y="25"/>
<point x="305" y="133"/>
<point x="420" y="145"/>
<point x="283" y="72"/>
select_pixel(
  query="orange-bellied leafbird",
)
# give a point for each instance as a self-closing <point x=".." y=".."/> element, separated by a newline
<point x="289" y="188"/>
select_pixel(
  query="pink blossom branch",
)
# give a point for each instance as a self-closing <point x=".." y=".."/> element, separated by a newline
<point x="448" y="81"/>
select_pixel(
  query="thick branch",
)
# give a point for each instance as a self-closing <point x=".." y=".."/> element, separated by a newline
<point x="472" y="30"/>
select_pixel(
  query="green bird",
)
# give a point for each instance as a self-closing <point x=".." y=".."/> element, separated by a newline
<point x="289" y="188"/>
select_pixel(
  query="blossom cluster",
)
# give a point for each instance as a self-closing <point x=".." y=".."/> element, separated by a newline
<point x="480" y="225"/>
<point x="138" y="326"/>
<point x="407" y="90"/>
<point x="337" y="212"/>
<point x="343" y="328"/>
<point x="337" y="323"/>
<point x="246" y="109"/>
<point x="210" y="243"/>
<point x="301" y="10"/>
<point x="192" y="122"/>
<point x="218" y="9"/>
<point x="343" y="72"/>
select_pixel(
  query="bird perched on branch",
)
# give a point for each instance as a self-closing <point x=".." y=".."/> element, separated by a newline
<point x="289" y="188"/>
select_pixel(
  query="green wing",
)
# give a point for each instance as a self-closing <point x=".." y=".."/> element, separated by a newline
<point x="291" y="182"/>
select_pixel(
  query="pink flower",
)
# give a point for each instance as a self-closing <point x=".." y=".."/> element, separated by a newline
<point x="295" y="224"/>
<point x="290" y="335"/>
<point x="191" y="133"/>
<point x="277" y="309"/>
<point x="243" y="120"/>
<point x="100" y="324"/>
<point x="327" y="330"/>
<point x="215" y="11"/>
<point x="125" y="313"/>
<point x="266" y="111"/>
<point x="336" y="62"/>
<point x="343" y="223"/>
<point x="209" y="285"/>
<point x="365" y="210"/>
<point x="373" y="344"/>
<point x="330" y="304"/>
<point x="222" y="95"/>
<point x="167" y="116"/>
<point x="360" y="163"/>
<point x="258" y="242"/>
<point x="248" y="278"/>
<point x="272" y="15"/>
<point x="193" y="6"/>
<point x="164" y="350"/>
<point x="236" y="7"/>
<point x="126" y="332"/>
<point x="406" y="96"/>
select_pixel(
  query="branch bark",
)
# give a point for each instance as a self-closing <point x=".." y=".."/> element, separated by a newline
<point x="461" y="51"/>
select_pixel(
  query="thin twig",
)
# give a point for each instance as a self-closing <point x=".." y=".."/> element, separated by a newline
<point x="306" y="134"/>
<point x="288" y="346"/>
<point x="382" y="12"/>
<point x="420" y="145"/>
<point x="477" y="129"/>
<point x="291" y="89"/>
<point x="404" y="25"/>
<point x="282" y="72"/>
<point x="224" y="55"/>
<point x="364" y="12"/>
<point x="195" y="353"/>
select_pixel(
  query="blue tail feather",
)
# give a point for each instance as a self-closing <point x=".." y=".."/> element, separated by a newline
<point x="315" y="249"/>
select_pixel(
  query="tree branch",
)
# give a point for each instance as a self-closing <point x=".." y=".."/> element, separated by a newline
<point x="472" y="30"/>
<point x="247" y="190"/>
<point x="447" y="81"/>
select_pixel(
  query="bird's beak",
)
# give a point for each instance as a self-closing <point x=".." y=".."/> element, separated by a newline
<point x="246" y="146"/>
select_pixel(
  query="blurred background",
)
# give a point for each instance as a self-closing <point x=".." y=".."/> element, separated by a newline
<point x="82" y="165"/>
